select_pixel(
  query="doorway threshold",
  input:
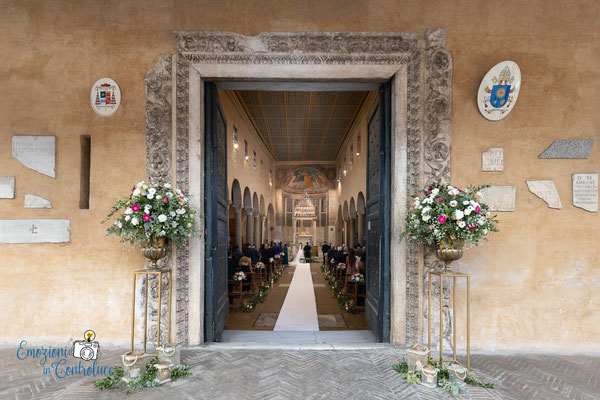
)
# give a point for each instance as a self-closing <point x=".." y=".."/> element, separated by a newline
<point x="288" y="340"/>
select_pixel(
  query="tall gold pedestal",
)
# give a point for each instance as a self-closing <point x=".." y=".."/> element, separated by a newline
<point x="160" y="274"/>
<point x="449" y="274"/>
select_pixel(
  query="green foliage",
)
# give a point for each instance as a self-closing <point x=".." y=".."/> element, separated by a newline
<point x="179" y="371"/>
<point x="401" y="368"/>
<point x="146" y="379"/>
<point x="110" y="381"/>
<point x="446" y="213"/>
<point x="471" y="379"/>
<point x="413" y="378"/>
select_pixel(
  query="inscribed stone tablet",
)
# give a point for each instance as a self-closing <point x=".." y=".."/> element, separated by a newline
<point x="568" y="149"/>
<point x="35" y="231"/>
<point x="7" y="187"/>
<point x="32" y="201"/>
<point x="546" y="190"/>
<point x="36" y="153"/>
<point x="492" y="159"/>
<point x="499" y="198"/>
<point x="585" y="191"/>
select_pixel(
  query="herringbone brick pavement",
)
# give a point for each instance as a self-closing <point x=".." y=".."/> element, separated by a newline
<point x="312" y="374"/>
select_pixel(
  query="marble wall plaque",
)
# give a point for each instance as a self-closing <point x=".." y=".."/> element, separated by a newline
<point x="585" y="191"/>
<point x="7" y="187"/>
<point x="35" y="231"/>
<point x="546" y="190"/>
<point x="36" y="152"/>
<point x="499" y="198"/>
<point x="568" y="149"/>
<point x="33" y="201"/>
<point x="492" y="159"/>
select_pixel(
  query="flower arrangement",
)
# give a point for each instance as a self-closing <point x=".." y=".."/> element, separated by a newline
<point x="356" y="278"/>
<point x="282" y="254"/>
<point x="239" y="276"/>
<point x="153" y="209"/>
<point x="341" y="266"/>
<point x="276" y="256"/>
<point x="259" y="265"/>
<point x="447" y="213"/>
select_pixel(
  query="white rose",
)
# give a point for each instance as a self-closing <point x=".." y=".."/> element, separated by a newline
<point x="170" y="194"/>
<point x="435" y="191"/>
<point x="466" y="203"/>
<point x="458" y="214"/>
<point x="136" y="192"/>
<point x="172" y="213"/>
<point x="134" y="221"/>
<point x="128" y="211"/>
<point x="462" y="224"/>
<point x="127" y="218"/>
<point x="162" y="217"/>
<point x="426" y="210"/>
<point x="453" y="203"/>
<point x="150" y="196"/>
<point x="468" y="211"/>
<point x="426" y="217"/>
<point x="168" y="185"/>
<point x="152" y="191"/>
<point x="119" y="224"/>
<point x="174" y="224"/>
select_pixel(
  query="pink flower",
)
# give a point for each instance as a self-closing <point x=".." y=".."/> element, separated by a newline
<point x="477" y="209"/>
<point x="442" y="219"/>
<point x="133" y="189"/>
<point x="440" y="200"/>
<point x="471" y="226"/>
<point x="135" y="208"/>
<point x="165" y="199"/>
<point x="429" y="192"/>
<point x="146" y="217"/>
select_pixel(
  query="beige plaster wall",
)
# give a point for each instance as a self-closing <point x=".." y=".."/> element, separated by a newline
<point x="535" y="285"/>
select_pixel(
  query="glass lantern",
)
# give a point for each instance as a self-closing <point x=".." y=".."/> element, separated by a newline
<point x="429" y="376"/>
<point x="163" y="373"/>
<point x="170" y="352"/>
<point x="132" y="365"/>
<point x="417" y="357"/>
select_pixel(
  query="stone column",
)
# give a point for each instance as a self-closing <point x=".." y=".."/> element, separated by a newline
<point x="238" y="225"/>
<point x="248" y="225"/>
<point x="314" y="232"/>
<point x="352" y="241"/>
<point x="345" y="235"/>
<point x="360" y="232"/>
<point x="294" y="231"/>
<point x="263" y="236"/>
<point x="257" y="230"/>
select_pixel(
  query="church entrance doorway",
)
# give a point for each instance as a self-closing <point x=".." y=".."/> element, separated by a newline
<point x="292" y="170"/>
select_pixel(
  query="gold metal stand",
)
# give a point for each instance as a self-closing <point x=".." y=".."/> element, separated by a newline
<point x="450" y="274"/>
<point x="160" y="274"/>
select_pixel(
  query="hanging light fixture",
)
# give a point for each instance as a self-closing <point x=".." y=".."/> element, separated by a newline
<point x="305" y="208"/>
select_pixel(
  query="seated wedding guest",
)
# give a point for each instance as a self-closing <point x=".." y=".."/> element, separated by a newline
<point x="231" y="266"/>
<point x="246" y="264"/>
<point x="351" y="262"/>
<point x="236" y="254"/>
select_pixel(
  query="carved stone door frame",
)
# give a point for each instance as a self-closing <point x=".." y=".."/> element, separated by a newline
<point x="421" y="107"/>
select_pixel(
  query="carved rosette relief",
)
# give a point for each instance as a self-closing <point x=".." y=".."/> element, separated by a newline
<point x="429" y="80"/>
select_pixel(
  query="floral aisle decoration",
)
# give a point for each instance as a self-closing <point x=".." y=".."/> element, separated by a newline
<point x="153" y="210"/>
<point x="259" y="265"/>
<point x="239" y="276"/>
<point x="341" y="266"/>
<point x="356" y="278"/>
<point x="447" y="218"/>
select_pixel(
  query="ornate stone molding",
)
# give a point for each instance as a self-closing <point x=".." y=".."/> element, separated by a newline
<point x="429" y="97"/>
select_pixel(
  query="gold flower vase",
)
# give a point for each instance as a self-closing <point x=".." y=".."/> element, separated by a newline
<point x="449" y="250"/>
<point x="155" y="249"/>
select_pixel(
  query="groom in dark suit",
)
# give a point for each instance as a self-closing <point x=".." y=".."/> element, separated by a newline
<point x="307" y="249"/>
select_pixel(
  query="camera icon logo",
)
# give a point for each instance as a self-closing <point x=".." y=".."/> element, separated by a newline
<point x="86" y="349"/>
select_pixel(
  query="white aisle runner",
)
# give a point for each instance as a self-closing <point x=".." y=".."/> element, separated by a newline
<point x="299" y="310"/>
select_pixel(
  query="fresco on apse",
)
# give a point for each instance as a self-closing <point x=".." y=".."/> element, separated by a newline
<point x="305" y="178"/>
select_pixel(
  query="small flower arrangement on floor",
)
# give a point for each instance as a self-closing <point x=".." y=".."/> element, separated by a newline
<point x="259" y="265"/>
<point x="447" y="213"/>
<point x="239" y="276"/>
<point x="356" y="278"/>
<point x="341" y="266"/>
<point x="153" y="209"/>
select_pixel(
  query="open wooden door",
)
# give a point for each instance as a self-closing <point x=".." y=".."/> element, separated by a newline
<point x="215" y="205"/>
<point x="377" y="306"/>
